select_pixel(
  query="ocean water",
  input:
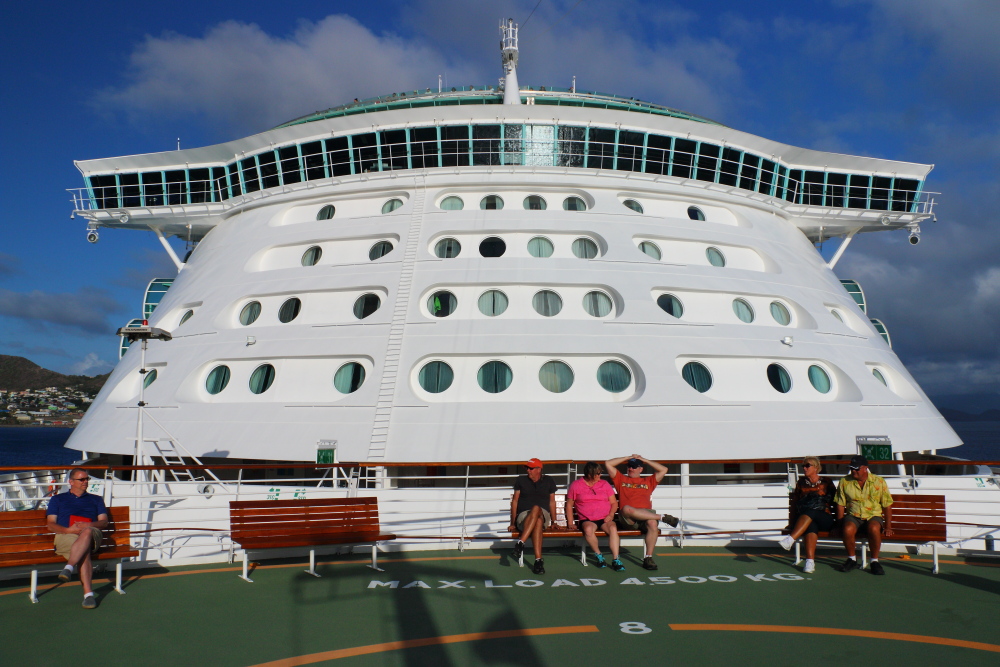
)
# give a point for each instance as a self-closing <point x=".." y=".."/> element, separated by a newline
<point x="43" y="446"/>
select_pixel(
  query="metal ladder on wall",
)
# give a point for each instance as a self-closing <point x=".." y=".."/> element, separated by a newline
<point x="390" y="369"/>
<point x="168" y="450"/>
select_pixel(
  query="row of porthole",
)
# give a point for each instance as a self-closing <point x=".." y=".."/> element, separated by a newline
<point x="313" y="254"/>
<point x="496" y="376"/>
<point x="671" y="305"/>
<point x="494" y="302"/>
<point x="346" y="380"/>
<point x="700" y="378"/>
<point x="496" y="203"/>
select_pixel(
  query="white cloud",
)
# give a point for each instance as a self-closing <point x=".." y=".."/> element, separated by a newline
<point x="92" y="364"/>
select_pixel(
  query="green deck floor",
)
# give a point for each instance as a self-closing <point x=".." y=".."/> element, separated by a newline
<point x="206" y="615"/>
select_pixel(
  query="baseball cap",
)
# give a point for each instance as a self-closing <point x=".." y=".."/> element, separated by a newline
<point x="857" y="461"/>
<point x="634" y="463"/>
<point x="534" y="463"/>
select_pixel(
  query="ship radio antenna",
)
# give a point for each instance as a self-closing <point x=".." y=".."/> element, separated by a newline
<point x="508" y="50"/>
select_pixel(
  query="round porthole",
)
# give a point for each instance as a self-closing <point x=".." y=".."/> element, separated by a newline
<point x="670" y="304"/>
<point x="614" y="376"/>
<point x="447" y="248"/>
<point x="185" y="317"/>
<point x="546" y="303"/>
<point x="349" y="377"/>
<point x="311" y="256"/>
<point x="574" y="204"/>
<point x="326" y="213"/>
<point x="435" y="377"/>
<point x="365" y="305"/>
<point x="491" y="203"/>
<point x="250" y="313"/>
<point x="650" y="249"/>
<point x="597" y="304"/>
<point x="878" y="376"/>
<point x="289" y="310"/>
<point x="696" y="213"/>
<point x="492" y="246"/>
<point x="494" y="376"/>
<point x="584" y="248"/>
<point x="555" y="376"/>
<point x="778" y="377"/>
<point x="697" y="375"/>
<point x="819" y="379"/>
<point x="540" y="247"/>
<point x="780" y="313"/>
<point x="391" y="205"/>
<point x="150" y="378"/>
<point x="262" y="378"/>
<point x="715" y="257"/>
<point x="217" y="379"/>
<point x="534" y="203"/>
<point x="743" y="310"/>
<point x="442" y="304"/>
<point x="633" y="204"/>
<point x="452" y="203"/>
<point x="492" y="303"/>
<point x="380" y="249"/>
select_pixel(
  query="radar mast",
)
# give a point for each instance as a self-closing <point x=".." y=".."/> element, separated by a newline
<point x="508" y="50"/>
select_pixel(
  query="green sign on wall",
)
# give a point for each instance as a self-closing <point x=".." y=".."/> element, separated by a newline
<point x="326" y="452"/>
<point x="875" y="447"/>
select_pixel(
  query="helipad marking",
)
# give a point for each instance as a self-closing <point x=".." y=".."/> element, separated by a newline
<point x="921" y="639"/>
<point x="427" y="641"/>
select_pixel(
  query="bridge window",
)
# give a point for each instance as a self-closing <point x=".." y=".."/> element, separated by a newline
<point x="696" y="213"/>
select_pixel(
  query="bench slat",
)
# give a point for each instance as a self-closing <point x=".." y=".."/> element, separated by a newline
<point x="25" y="538"/>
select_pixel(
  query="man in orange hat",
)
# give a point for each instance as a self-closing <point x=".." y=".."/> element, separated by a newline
<point x="531" y="510"/>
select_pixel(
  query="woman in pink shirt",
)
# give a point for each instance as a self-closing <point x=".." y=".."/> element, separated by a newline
<point x="595" y="504"/>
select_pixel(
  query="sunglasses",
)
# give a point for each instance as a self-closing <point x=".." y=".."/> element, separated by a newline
<point x="80" y="479"/>
<point x="535" y="468"/>
<point x="853" y="467"/>
<point x="807" y="465"/>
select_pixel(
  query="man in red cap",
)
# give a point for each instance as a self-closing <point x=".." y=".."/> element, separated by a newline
<point x="532" y="509"/>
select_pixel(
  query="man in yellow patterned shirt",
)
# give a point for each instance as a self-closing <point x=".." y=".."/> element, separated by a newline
<point x="868" y="505"/>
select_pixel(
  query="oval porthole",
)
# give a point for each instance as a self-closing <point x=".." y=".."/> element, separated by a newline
<point x="633" y="204"/>
<point x="651" y="249"/>
<point x="540" y="247"/>
<point x="696" y="213"/>
<point x="494" y="376"/>
<point x="743" y="310"/>
<point x="452" y="203"/>
<point x="779" y="379"/>
<point x="878" y="376"/>
<point x="780" y="313"/>
<point x="492" y="246"/>
<point x="555" y="376"/>
<point x="447" y="248"/>
<point x="715" y="257"/>
<point x="585" y="248"/>
<point x="614" y="376"/>
<point x="150" y="378"/>
<point x="217" y="379"/>
<point x="597" y="304"/>
<point x="435" y="377"/>
<point x="250" y="313"/>
<point x="185" y="317"/>
<point x="837" y="315"/>
<point x="380" y="249"/>
<point x="546" y="303"/>
<point x="391" y="205"/>
<point x="366" y="304"/>
<point x="670" y="304"/>
<point x="534" y="203"/>
<point x="697" y="375"/>
<point x="289" y="310"/>
<point x="574" y="204"/>
<point x="326" y="213"/>
<point x="491" y="203"/>
<point x="349" y="377"/>
<point x="819" y="379"/>
<point x="492" y="303"/>
<point x="442" y="304"/>
<point x="262" y="378"/>
<point x="311" y="256"/>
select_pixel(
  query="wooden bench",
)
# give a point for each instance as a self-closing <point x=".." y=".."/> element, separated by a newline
<point x="279" y="524"/>
<point x="25" y="540"/>
<point x="916" y="520"/>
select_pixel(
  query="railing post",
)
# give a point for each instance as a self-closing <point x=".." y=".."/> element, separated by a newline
<point x="465" y="504"/>
<point x="685" y="474"/>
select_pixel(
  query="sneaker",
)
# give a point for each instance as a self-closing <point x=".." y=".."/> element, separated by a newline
<point x="65" y="575"/>
<point x="90" y="602"/>
<point x="876" y="567"/>
<point x="810" y="566"/>
<point x="600" y="560"/>
<point x="617" y="566"/>
<point x="649" y="563"/>
<point x="518" y="550"/>
<point x="538" y="567"/>
<point x="848" y="565"/>
<point x="786" y="542"/>
<point x="670" y="520"/>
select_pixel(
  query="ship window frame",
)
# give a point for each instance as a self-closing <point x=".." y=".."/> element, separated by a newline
<point x="492" y="293"/>
<point x="633" y="205"/>
<point x="604" y="379"/>
<point x="391" y="205"/>
<point x="574" y="198"/>
<point x="783" y="310"/>
<point x="534" y="203"/>
<point x="439" y="366"/>
<point x="355" y="369"/>
<point x="588" y="243"/>
<point x="646" y="246"/>
<point x="552" y="375"/>
<point x="593" y="304"/>
<point x="491" y="203"/>
<point x="694" y="373"/>
<point x="261" y="379"/>
<point x="779" y="378"/>
<point x="673" y="300"/>
<point x="820" y="378"/>
<point x="536" y="250"/>
<point x="374" y="253"/>
<point x="495" y="367"/>
<point x="290" y="309"/>
<point x="312" y="255"/>
<point x="495" y="242"/>
<point x="248" y="314"/>
<point x="436" y="307"/>
<point x="711" y="252"/>
<point x="446" y="203"/>
<point x="548" y="304"/>
<point x="212" y="381"/>
<point x="439" y="248"/>
<point x="361" y="305"/>
<point x="326" y="212"/>
<point x="695" y="213"/>
<point x="742" y="307"/>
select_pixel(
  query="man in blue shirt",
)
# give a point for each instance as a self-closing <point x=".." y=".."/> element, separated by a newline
<point x="77" y="517"/>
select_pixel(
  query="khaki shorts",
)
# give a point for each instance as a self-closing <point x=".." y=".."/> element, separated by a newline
<point x="65" y="541"/>
<point x="862" y="524"/>
<point x="546" y="519"/>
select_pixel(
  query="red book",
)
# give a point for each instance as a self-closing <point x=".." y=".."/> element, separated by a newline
<point x="74" y="519"/>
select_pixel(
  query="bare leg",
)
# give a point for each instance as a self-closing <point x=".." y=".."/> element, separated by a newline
<point x="536" y="536"/>
<point x="800" y="526"/>
<point x="81" y="547"/>
<point x="614" y="541"/>
<point x="589" y="528"/>
<point x="849" y="529"/>
<point x="652" y="534"/>
<point x="811" y="546"/>
<point x="86" y="573"/>
<point x="638" y="514"/>
<point x="528" y="527"/>
<point x="875" y="537"/>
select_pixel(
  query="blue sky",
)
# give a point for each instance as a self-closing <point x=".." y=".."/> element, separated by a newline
<point x="915" y="80"/>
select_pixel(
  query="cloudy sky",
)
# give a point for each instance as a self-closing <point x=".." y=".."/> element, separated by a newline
<point x="915" y="80"/>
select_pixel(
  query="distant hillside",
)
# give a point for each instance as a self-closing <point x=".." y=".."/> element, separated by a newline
<point x="18" y="373"/>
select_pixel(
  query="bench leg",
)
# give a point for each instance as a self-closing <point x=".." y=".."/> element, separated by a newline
<point x="798" y="553"/>
<point x="34" y="587"/>
<point x="246" y="562"/>
<point x="520" y="561"/>
<point x="312" y="563"/>
<point x="374" y="564"/>
<point x="934" y="550"/>
<point x="583" y="555"/>
<point x="864" y="555"/>
<point x="118" y="578"/>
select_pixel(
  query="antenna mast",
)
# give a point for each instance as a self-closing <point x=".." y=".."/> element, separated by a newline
<point x="508" y="50"/>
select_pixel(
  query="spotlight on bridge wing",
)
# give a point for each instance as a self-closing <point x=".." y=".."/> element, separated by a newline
<point x="92" y="235"/>
<point x="914" y="235"/>
<point x="885" y="220"/>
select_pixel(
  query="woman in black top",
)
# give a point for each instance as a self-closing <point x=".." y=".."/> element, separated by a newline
<point x="812" y="501"/>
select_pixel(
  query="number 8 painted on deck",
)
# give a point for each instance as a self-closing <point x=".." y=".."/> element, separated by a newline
<point x="633" y="628"/>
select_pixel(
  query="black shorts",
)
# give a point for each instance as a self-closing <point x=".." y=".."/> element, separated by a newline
<point x="821" y="521"/>
<point x="862" y="524"/>
<point x="597" y="522"/>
